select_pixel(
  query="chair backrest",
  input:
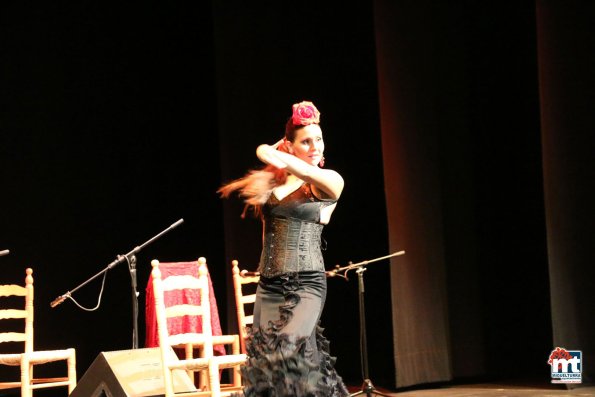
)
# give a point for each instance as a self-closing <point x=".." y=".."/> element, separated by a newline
<point x="28" y="358"/>
<point x="188" y="309"/>
<point x="244" y="299"/>
<point x="24" y="312"/>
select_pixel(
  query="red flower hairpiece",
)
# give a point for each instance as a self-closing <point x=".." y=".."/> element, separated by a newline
<point x="305" y="113"/>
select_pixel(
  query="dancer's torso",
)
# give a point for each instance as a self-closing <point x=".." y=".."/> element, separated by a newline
<point x="292" y="233"/>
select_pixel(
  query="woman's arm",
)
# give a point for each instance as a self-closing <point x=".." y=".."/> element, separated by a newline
<point x="328" y="182"/>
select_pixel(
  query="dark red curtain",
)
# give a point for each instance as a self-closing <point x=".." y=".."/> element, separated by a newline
<point x="465" y="126"/>
<point x="566" y="45"/>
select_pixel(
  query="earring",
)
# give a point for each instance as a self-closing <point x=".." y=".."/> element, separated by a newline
<point x="321" y="163"/>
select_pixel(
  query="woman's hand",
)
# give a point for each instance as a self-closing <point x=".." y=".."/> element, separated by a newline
<point x="278" y="143"/>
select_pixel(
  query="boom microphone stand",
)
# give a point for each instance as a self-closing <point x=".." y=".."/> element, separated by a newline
<point x="367" y="387"/>
<point x="130" y="258"/>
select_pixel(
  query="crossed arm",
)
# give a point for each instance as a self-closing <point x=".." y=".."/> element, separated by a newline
<point x="328" y="182"/>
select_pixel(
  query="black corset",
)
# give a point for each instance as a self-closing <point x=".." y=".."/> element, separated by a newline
<point x="290" y="245"/>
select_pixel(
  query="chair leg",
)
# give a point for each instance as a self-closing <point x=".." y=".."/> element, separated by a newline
<point x="26" y="379"/>
<point x="237" y="377"/>
<point x="189" y="352"/>
<point x="168" y="382"/>
<point x="203" y="377"/>
<point x="71" y="364"/>
<point x="214" y="384"/>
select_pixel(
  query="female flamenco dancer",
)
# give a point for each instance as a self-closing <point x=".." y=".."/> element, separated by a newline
<point x="287" y="353"/>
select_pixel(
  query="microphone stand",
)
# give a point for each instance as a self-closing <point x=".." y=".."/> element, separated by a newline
<point x="367" y="387"/>
<point x="130" y="258"/>
<point x="132" y="269"/>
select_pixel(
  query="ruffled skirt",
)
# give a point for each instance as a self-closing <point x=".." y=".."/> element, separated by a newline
<point x="287" y="353"/>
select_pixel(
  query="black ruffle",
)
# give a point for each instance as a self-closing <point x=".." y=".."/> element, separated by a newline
<point x="280" y="365"/>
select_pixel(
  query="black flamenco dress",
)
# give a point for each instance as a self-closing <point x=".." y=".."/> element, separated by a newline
<point x="287" y="353"/>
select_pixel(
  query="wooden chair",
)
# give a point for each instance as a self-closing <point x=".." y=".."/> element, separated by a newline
<point x="30" y="357"/>
<point x="222" y="344"/>
<point x="208" y="362"/>
<point x="244" y="299"/>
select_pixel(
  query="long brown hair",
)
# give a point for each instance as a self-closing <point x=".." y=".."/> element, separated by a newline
<point x="257" y="185"/>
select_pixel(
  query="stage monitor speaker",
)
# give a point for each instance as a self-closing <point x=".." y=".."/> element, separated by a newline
<point x="129" y="373"/>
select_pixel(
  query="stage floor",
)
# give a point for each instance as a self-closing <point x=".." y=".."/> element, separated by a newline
<point x="489" y="390"/>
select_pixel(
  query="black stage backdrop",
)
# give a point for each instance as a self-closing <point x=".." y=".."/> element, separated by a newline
<point x="118" y="120"/>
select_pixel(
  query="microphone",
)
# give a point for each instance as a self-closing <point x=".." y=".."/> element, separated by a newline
<point x="335" y="273"/>
<point x="246" y="273"/>
<point x="59" y="300"/>
<point x="4" y="252"/>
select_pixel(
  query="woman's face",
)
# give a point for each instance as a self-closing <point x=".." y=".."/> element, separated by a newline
<point x="308" y="144"/>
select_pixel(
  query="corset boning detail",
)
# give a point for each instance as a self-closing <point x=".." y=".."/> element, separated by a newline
<point x="290" y="245"/>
